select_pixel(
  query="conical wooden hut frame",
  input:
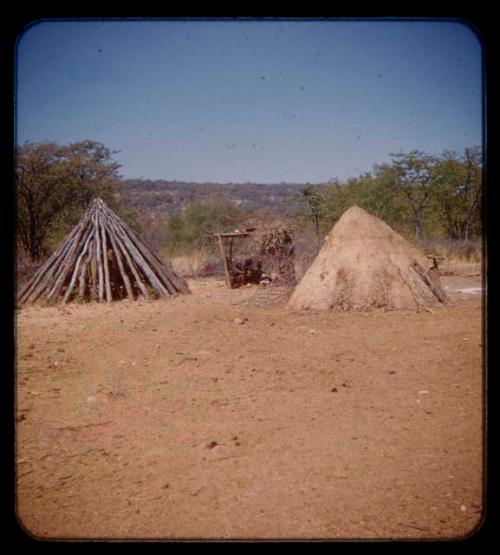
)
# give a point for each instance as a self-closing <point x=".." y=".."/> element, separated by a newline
<point x="102" y="259"/>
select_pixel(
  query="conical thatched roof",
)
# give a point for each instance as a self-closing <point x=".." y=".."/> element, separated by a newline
<point x="102" y="259"/>
<point x="365" y="264"/>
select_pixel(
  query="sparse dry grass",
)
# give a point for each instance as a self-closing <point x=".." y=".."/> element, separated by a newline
<point x="455" y="251"/>
<point x="187" y="265"/>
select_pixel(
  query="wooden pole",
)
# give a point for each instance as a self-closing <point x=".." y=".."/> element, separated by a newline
<point x="131" y="266"/>
<point x="93" y="272"/>
<point x="67" y="262"/>
<point x="121" y="268"/>
<point x="430" y="281"/>
<point x="83" y="271"/>
<point x="167" y="278"/>
<point x="100" y="273"/>
<point x="224" y="260"/>
<point x="77" y="266"/>
<point x="142" y="264"/>
<point x="40" y="280"/>
<point x="106" y="262"/>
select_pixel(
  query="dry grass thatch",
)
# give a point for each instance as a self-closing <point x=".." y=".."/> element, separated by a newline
<point x="365" y="264"/>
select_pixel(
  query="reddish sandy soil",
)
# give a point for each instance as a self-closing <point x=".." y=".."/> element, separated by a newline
<point x="169" y="420"/>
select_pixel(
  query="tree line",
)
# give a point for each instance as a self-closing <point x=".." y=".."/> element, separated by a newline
<point x="422" y="194"/>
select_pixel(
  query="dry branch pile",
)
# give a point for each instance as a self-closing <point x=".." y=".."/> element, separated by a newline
<point x="102" y="259"/>
<point x="273" y="246"/>
<point x="277" y="252"/>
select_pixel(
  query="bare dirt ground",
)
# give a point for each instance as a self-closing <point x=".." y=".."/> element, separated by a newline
<point x="170" y="420"/>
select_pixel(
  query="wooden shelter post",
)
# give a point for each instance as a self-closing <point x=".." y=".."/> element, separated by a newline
<point x="224" y="260"/>
<point x="227" y="260"/>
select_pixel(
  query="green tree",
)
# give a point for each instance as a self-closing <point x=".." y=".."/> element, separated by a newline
<point x="388" y="202"/>
<point x="472" y="190"/>
<point x="414" y="192"/>
<point x="190" y="229"/>
<point x="40" y="193"/>
<point x="90" y="171"/>
<point x="314" y="201"/>
<point x="414" y="176"/>
<point x="372" y="191"/>
<point x="458" y="192"/>
<point x="55" y="183"/>
<point x="176" y="239"/>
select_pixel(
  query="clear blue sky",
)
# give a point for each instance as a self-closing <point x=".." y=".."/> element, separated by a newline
<point x="298" y="101"/>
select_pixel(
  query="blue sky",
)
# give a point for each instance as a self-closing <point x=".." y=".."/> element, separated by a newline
<point x="262" y="101"/>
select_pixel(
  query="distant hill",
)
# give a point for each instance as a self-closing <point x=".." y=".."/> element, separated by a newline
<point x="161" y="196"/>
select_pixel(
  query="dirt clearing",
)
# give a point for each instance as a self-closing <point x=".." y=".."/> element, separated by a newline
<point x="202" y="417"/>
